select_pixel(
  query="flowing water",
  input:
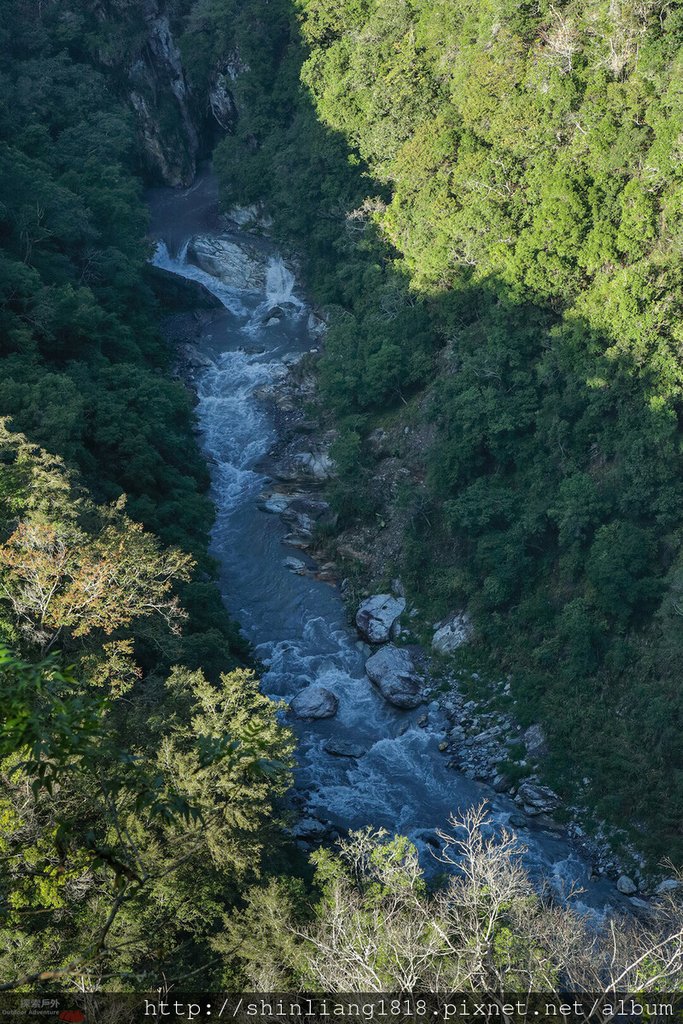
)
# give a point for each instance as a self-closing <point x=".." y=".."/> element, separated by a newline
<point x="297" y="624"/>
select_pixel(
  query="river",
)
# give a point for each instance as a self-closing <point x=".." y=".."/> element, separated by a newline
<point x="298" y="625"/>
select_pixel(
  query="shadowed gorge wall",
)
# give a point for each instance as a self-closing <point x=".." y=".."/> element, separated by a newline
<point x="505" y="283"/>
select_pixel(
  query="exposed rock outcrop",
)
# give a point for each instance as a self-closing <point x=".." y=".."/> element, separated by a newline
<point x="233" y="264"/>
<point x="158" y="87"/>
<point x="395" y="675"/>
<point x="535" y="741"/>
<point x="250" y="218"/>
<point x="314" y="465"/>
<point x="221" y="101"/>
<point x="180" y="293"/>
<point x="174" y="125"/>
<point x="452" y="633"/>
<point x="377" y="619"/>
<point x="537" y="799"/>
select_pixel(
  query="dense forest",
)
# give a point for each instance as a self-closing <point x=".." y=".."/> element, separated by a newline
<point x="494" y="226"/>
<point x="140" y="762"/>
<point x="491" y="220"/>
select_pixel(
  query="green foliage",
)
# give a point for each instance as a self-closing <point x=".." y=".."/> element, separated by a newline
<point x="138" y="791"/>
<point x="376" y="926"/>
<point x="83" y="365"/>
<point x="117" y="827"/>
<point x="131" y="833"/>
<point x="494" y="217"/>
<point x="45" y="717"/>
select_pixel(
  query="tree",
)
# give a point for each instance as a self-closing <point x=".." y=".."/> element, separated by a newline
<point x="60" y="581"/>
<point x="486" y="928"/>
<point x="114" y="837"/>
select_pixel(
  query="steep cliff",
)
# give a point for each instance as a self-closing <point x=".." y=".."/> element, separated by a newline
<point x="137" y="45"/>
<point x="163" y="102"/>
<point x="177" y="118"/>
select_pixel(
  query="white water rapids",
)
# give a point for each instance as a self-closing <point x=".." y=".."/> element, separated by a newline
<point x="297" y="624"/>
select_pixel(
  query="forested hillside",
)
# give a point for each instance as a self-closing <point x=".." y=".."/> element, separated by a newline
<point x="139" y="761"/>
<point x="493" y="219"/>
<point x="487" y="203"/>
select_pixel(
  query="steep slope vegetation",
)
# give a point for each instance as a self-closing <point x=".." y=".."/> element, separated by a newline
<point x="511" y="275"/>
<point x="139" y="764"/>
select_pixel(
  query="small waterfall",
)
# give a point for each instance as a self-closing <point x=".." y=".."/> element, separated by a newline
<point x="230" y="297"/>
<point x="280" y="284"/>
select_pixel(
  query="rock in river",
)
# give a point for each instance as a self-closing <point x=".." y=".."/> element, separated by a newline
<point x="315" y="702"/>
<point x="274" y="503"/>
<point x="393" y="672"/>
<point x="231" y="263"/>
<point x="377" y="618"/>
<point x="296" y="566"/>
<point x="343" y="748"/>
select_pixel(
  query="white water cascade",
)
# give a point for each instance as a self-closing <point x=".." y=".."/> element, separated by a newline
<point x="180" y="265"/>
<point x="297" y="624"/>
<point x="280" y="284"/>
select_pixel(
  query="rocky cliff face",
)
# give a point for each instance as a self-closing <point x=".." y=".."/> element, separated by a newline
<point x="221" y="99"/>
<point x="140" y="49"/>
<point x="161" y="98"/>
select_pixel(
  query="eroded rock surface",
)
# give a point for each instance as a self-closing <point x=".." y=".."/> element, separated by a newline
<point x="396" y="676"/>
<point x="377" y="619"/>
<point x="315" y="702"/>
<point x="537" y="799"/>
<point x="452" y="633"/>
<point x="231" y="263"/>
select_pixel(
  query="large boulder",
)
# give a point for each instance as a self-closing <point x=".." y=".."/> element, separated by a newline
<point x="315" y="325"/>
<point x="393" y="672"/>
<point x="626" y="885"/>
<point x="304" y="467"/>
<point x="377" y="618"/>
<point x="452" y="633"/>
<point x="316" y="464"/>
<point x="296" y="566"/>
<point x="310" y="828"/>
<point x="537" y="799"/>
<point x="344" y="748"/>
<point x="303" y="513"/>
<point x="274" y="503"/>
<point x="535" y="741"/>
<point x="314" y="702"/>
<point x="669" y="885"/>
<point x="231" y="263"/>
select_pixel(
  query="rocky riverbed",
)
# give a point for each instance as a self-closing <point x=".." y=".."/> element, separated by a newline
<point x="482" y="743"/>
<point x="387" y="732"/>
